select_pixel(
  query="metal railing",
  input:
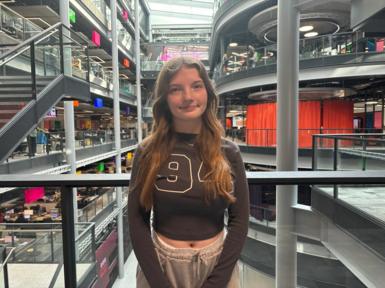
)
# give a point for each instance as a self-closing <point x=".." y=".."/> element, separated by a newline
<point x="90" y="211"/>
<point x="352" y="152"/>
<point x="353" y="44"/>
<point x="42" y="242"/>
<point x="67" y="182"/>
<point x="349" y="152"/>
<point x="4" y="278"/>
<point x="17" y="27"/>
<point x="267" y="137"/>
<point x="55" y="142"/>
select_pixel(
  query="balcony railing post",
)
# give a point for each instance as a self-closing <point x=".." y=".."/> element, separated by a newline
<point x="61" y="49"/>
<point x="33" y="70"/>
<point x="93" y="243"/>
<point x="68" y="227"/>
<point x="13" y="244"/>
<point x="52" y="247"/>
<point x="315" y="153"/>
<point x="335" y="166"/>
<point x="5" y="261"/>
<point x="363" y="154"/>
<point x="88" y="64"/>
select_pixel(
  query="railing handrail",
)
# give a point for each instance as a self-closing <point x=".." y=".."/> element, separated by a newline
<point x="89" y="227"/>
<point x="41" y="35"/>
<point x="275" y="177"/>
<point x="7" y="258"/>
<point x="349" y="134"/>
<point x="28" y="42"/>
<point x="352" y="137"/>
<point x="315" y="38"/>
<point x="93" y="202"/>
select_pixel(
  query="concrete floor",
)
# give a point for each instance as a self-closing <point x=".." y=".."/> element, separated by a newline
<point x="369" y="199"/>
<point x="39" y="275"/>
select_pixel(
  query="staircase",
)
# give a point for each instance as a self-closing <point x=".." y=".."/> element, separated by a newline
<point x="32" y="81"/>
<point x="15" y="92"/>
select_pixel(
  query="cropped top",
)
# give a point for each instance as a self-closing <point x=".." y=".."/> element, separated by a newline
<point x="181" y="213"/>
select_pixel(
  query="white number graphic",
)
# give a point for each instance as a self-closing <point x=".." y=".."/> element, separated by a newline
<point x="174" y="182"/>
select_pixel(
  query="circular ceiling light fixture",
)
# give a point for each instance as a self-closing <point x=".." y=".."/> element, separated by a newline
<point x="311" y="34"/>
<point x="306" y="28"/>
<point x="233" y="44"/>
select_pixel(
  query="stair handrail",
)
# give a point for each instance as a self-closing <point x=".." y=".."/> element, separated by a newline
<point x="28" y="42"/>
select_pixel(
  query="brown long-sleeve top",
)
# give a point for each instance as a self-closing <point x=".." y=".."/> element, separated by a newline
<point x="181" y="213"/>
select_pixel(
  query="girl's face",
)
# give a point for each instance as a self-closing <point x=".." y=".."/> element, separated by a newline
<point x="187" y="100"/>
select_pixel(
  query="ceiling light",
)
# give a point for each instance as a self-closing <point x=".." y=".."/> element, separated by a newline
<point x="306" y="28"/>
<point x="233" y="44"/>
<point x="371" y="102"/>
<point x="311" y="34"/>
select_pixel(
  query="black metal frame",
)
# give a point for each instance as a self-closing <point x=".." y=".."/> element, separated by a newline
<point x="68" y="181"/>
<point x="68" y="224"/>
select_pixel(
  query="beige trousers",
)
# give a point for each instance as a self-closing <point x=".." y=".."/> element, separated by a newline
<point x="187" y="267"/>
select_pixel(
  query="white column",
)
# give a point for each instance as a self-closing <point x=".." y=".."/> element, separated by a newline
<point x="287" y="141"/>
<point x="69" y="113"/>
<point x="138" y="75"/>
<point x="118" y="164"/>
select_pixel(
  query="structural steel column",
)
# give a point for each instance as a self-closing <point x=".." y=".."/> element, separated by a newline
<point x="138" y="75"/>
<point x="118" y="163"/>
<point x="69" y="113"/>
<point x="287" y="141"/>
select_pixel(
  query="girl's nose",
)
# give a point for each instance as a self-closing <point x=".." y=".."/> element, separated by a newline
<point x="187" y="94"/>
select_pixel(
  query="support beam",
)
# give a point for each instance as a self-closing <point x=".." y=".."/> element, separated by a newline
<point x="361" y="261"/>
<point x="138" y="74"/>
<point x="69" y="113"/>
<point x="287" y="141"/>
<point x="118" y="162"/>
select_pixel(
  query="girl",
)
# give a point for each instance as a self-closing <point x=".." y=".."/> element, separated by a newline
<point x="188" y="176"/>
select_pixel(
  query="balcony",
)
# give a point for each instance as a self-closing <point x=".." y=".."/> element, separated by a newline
<point x="326" y="53"/>
<point x="362" y="264"/>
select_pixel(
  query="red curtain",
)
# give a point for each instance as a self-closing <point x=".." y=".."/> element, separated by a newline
<point x="337" y="119"/>
<point x="261" y="124"/>
<point x="337" y="116"/>
<point x="378" y="120"/>
<point x="228" y="123"/>
<point x="261" y="121"/>
<point x="309" y="122"/>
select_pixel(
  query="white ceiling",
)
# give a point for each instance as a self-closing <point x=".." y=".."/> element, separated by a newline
<point x="181" y="12"/>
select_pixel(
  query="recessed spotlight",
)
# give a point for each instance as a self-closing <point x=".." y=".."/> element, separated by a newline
<point x="306" y="28"/>
<point x="233" y="44"/>
<point x="311" y="34"/>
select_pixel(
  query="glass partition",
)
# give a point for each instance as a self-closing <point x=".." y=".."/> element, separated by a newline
<point x="245" y="57"/>
<point x="353" y="152"/>
<point x="96" y="204"/>
<point x="16" y="26"/>
<point x="126" y="87"/>
<point x="36" y="244"/>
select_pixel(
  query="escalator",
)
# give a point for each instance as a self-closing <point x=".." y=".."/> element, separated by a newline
<point x="34" y="76"/>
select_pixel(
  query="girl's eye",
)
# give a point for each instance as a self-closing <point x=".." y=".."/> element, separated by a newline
<point x="174" y="90"/>
<point x="198" y="86"/>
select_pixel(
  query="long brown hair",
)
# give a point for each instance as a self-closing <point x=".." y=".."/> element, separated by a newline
<point x="157" y="147"/>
